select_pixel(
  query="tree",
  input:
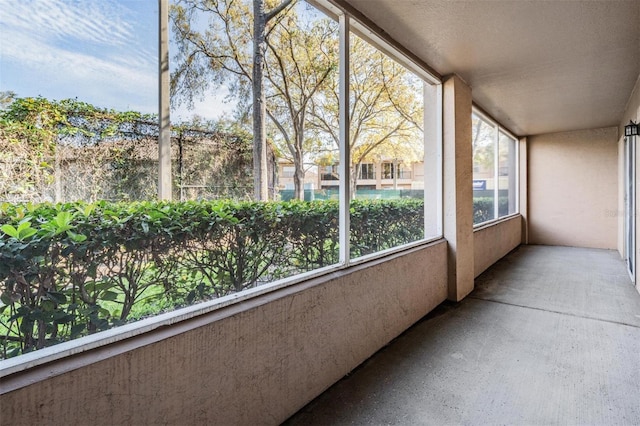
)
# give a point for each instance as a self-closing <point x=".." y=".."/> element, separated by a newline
<point x="385" y="113"/>
<point x="483" y="143"/>
<point x="211" y="56"/>
<point x="300" y="90"/>
<point x="302" y="60"/>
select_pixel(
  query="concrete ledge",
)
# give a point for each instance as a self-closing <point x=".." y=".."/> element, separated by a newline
<point x="493" y="241"/>
<point x="254" y="362"/>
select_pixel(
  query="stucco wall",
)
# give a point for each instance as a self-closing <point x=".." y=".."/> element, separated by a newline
<point x="457" y="185"/>
<point x="491" y="243"/>
<point x="255" y="362"/>
<point x="573" y="188"/>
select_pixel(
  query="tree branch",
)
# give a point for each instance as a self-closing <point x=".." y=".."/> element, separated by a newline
<point x="275" y="11"/>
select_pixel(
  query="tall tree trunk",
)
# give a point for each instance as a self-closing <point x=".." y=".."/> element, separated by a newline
<point x="259" y="107"/>
<point x="395" y="173"/>
<point x="298" y="177"/>
<point x="355" y="171"/>
<point x="298" y="159"/>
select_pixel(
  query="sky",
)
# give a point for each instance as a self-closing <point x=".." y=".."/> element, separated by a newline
<point x="104" y="52"/>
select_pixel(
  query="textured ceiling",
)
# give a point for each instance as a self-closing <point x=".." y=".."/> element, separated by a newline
<point x="537" y="66"/>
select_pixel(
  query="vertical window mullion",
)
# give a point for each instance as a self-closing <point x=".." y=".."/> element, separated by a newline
<point x="496" y="174"/>
<point x="440" y="163"/>
<point x="517" y="172"/>
<point x="164" y="123"/>
<point x="433" y="162"/>
<point x="345" y="157"/>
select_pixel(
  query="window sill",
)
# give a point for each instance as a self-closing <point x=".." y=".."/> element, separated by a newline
<point x="130" y="336"/>
<point x="490" y="223"/>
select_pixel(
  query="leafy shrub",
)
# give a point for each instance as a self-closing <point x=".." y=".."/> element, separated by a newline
<point x="483" y="208"/>
<point x="381" y="224"/>
<point x="68" y="270"/>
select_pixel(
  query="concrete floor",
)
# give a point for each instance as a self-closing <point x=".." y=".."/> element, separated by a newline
<point x="551" y="335"/>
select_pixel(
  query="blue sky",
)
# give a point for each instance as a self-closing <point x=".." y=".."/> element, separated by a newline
<point x="104" y="52"/>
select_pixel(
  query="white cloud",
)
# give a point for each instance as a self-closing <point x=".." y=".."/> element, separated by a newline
<point x="95" y="21"/>
<point x="87" y="46"/>
<point x="93" y="50"/>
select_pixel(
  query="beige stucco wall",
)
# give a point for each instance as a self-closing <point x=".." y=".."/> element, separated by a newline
<point x="573" y="188"/>
<point x="491" y="243"/>
<point x="255" y="362"/>
<point x="458" y="185"/>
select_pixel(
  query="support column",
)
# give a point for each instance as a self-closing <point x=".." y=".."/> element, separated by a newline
<point x="164" y="123"/>
<point x="458" y="188"/>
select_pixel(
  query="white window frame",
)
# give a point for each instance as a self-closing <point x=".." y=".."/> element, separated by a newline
<point x="348" y="24"/>
<point x="435" y="134"/>
<point x="497" y="129"/>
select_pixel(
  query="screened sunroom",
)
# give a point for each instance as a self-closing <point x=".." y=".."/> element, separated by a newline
<point x="212" y="212"/>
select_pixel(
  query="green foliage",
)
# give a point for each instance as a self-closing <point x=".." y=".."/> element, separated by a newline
<point x="71" y="150"/>
<point x="67" y="117"/>
<point x="313" y="228"/>
<point x="218" y="156"/>
<point x="68" y="270"/>
<point x="381" y="224"/>
<point x="31" y="130"/>
<point x="483" y="208"/>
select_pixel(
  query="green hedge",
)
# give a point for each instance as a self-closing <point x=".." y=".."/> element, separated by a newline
<point x="69" y="270"/>
<point x="483" y="208"/>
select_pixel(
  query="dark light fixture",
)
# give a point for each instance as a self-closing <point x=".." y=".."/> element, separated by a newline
<point x="631" y="129"/>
